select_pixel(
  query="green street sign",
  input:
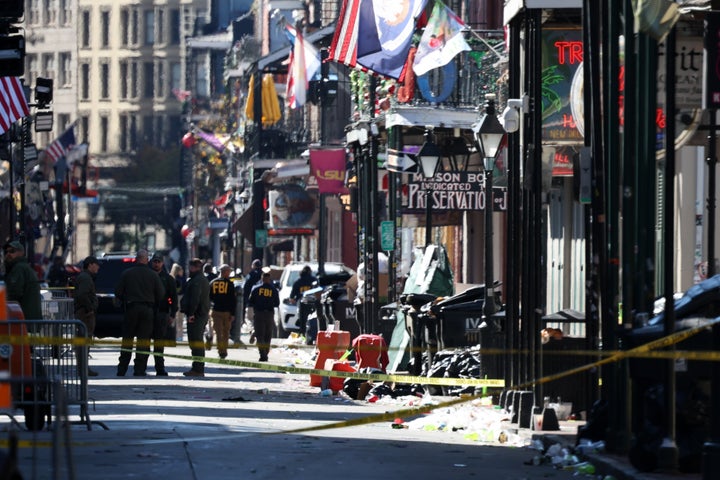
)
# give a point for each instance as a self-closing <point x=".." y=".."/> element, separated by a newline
<point x="260" y="238"/>
<point x="387" y="235"/>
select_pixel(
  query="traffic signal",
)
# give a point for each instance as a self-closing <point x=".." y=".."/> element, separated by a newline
<point x="12" y="9"/>
<point x="12" y="55"/>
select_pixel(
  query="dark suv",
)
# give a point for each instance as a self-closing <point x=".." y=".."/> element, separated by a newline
<point x="109" y="318"/>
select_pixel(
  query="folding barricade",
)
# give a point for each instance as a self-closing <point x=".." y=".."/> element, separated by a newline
<point x="51" y="354"/>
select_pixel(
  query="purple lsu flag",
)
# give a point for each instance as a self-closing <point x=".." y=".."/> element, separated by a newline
<point x="385" y="31"/>
<point x="328" y="167"/>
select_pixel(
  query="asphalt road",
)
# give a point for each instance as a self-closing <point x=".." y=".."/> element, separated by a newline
<point x="226" y="426"/>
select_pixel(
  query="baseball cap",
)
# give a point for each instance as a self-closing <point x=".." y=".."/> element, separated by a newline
<point x="256" y="263"/>
<point x="266" y="270"/>
<point x="15" y="245"/>
<point x="225" y="266"/>
<point x="157" y="256"/>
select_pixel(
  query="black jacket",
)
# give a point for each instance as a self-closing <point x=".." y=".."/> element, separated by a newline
<point x="264" y="297"/>
<point x="222" y="295"/>
<point x="196" y="300"/>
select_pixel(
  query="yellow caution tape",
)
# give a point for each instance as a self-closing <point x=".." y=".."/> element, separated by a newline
<point x="381" y="377"/>
<point x="643" y="350"/>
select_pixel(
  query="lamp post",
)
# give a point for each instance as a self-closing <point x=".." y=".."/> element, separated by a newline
<point x="489" y="134"/>
<point x="428" y="157"/>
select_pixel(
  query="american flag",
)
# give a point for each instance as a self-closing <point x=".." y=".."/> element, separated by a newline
<point x="343" y="48"/>
<point x="57" y="149"/>
<point x="304" y="64"/>
<point x="13" y="105"/>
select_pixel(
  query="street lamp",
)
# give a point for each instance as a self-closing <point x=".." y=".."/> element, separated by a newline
<point x="489" y="134"/>
<point x="428" y="157"/>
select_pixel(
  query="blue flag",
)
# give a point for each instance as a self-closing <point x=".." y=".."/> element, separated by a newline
<point x="385" y="31"/>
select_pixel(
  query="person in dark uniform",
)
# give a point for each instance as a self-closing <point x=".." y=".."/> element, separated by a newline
<point x="264" y="298"/>
<point x="222" y="296"/>
<point x="302" y="284"/>
<point x="21" y="281"/>
<point x="58" y="275"/>
<point x="210" y="275"/>
<point x="140" y="291"/>
<point x="164" y="327"/>
<point x="85" y="303"/>
<point x="196" y="306"/>
<point x="252" y="279"/>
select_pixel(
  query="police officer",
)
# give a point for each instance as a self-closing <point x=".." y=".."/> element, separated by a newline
<point x="223" y="298"/>
<point x="141" y="291"/>
<point x="196" y="306"/>
<point x="164" y="327"/>
<point x="301" y="285"/>
<point x="21" y="281"/>
<point x="85" y="304"/>
<point x="264" y="298"/>
<point x="252" y="279"/>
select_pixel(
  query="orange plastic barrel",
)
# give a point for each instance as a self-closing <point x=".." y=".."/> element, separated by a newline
<point x="330" y="346"/>
<point x="337" y="383"/>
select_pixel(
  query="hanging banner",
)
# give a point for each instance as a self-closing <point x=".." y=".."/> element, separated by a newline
<point x="293" y="210"/>
<point x="328" y="167"/>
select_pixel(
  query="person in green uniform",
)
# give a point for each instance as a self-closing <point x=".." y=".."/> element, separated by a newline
<point x="21" y="281"/>
<point x="196" y="307"/>
<point x="85" y="304"/>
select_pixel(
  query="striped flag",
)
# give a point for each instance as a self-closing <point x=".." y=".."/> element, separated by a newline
<point x="304" y="64"/>
<point x="343" y="48"/>
<point x="385" y="31"/>
<point x="13" y="105"/>
<point x="57" y="149"/>
<point x="375" y="35"/>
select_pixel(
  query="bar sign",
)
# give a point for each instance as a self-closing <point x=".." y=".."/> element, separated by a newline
<point x="711" y="80"/>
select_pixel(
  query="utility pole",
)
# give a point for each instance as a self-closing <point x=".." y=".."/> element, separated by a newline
<point x="322" y="221"/>
<point x="711" y="448"/>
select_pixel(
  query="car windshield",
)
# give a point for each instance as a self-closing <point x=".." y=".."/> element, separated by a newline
<point x="110" y="272"/>
<point x="293" y="275"/>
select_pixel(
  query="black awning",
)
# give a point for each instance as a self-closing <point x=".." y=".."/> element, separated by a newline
<point x="284" y="246"/>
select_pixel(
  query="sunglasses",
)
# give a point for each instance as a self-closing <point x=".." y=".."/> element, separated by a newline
<point x="10" y="250"/>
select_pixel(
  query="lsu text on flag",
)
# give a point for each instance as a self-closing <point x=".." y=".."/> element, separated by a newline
<point x="304" y="64"/>
<point x="441" y="41"/>
<point x="57" y="149"/>
<point x="13" y="105"/>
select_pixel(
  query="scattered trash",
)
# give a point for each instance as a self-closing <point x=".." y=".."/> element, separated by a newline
<point x="235" y="399"/>
<point x="586" y="446"/>
<point x="326" y="392"/>
<point x="398" y="423"/>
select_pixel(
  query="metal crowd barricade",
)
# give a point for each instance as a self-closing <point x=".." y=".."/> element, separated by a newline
<point x="59" y="307"/>
<point x="56" y="352"/>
